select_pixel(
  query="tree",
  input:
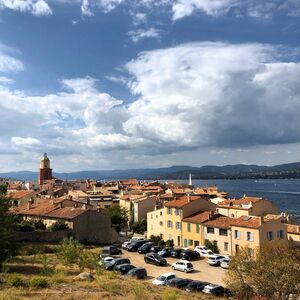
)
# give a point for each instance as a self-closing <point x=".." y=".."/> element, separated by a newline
<point x="8" y="246"/>
<point x="3" y="189"/>
<point x="70" y="252"/>
<point x="58" y="226"/>
<point x="170" y="243"/>
<point x="140" y="227"/>
<point x="118" y="216"/>
<point x="274" y="272"/>
<point x="213" y="246"/>
<point x="155" y="239"/>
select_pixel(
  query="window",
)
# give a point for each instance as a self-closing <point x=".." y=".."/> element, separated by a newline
<point x="223" y="232"/>
<point x="190" y="242"/>
<point x="178" y="225"/>
<point x="210" y="230"/>
<point x="156" y="216"/>
<point x="280" y="234"/>
<point x="161" y="223"/>
<point x="237" y="234"/>
<point x="177" y="212"/>
<point x="160" y="213"/>
<point x="197" y="228"/>
<point x="250" y="236"/>
<point x="250" y="251"/>
<point x="225" y="246"/>
<point x="151" y="216"/>
<point x="169" y="210"/>
<point x="217" y="210"/>
<point x="270" y="235"/>
<point x="170" y="237"/>
<point x="170" y="224"/>
<point x="232" y="215"/>
<point x="189" y="227"/>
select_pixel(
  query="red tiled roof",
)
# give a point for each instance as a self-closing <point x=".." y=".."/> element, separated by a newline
<point x="131" y="181"/>
<point x="239" y="202"/>
<point x="198" y="217"/>
<point x="20" y="194"/>
<point x="41" y="208"/>
<point x="66" y="212"/>
<point x="220" y="221"/>
<point x="182" y="201"/>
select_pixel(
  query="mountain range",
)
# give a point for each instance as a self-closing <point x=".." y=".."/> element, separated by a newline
<point x="240" y="171"/>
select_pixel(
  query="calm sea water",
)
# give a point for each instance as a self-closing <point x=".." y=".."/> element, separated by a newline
<point x="285" y="193"/>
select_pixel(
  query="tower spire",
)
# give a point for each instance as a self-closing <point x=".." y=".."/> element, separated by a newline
<point x="190" y="179"/>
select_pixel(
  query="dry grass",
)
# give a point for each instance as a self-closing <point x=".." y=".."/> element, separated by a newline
<point x="63" y="284"/>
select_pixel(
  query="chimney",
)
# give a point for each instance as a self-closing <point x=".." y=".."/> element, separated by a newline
<point x="29" y="205"/>
<point x="261" y="220"/>
<point x="84" y="207"/>
<point x="212" y="213"/>
<point x="189" y="197"/>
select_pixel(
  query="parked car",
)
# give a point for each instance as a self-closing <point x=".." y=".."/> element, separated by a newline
<point x="189" y="255"/>
<point x="128" y="242"/>
<point x="183" y="265"/>
<point x="165" y="252"/>
<point x="225" y="263"/>
<point x="118" y="261"/>
<point x="139" y="273"/>
<point x="203" y="251"/>
<point x="135" y="245"/>
<point x="215" y="260"/>
<point x="155" y="259"/>
<point x="145" y="248"/>
<point x="196" y="286"/>
<point x="214" y="289"/>
<point x="179" y="283"/>
<point x="163" y="278"/>
<point x="175" y="253"/>
<point x="124" y="268"/>
<point x="110" y="250"/>
<point x="155" y="249"/>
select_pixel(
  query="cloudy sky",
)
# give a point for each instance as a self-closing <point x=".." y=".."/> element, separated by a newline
<point x="107" y="84"/>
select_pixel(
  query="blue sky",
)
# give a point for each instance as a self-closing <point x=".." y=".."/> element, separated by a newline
<point x="105" y="84"/>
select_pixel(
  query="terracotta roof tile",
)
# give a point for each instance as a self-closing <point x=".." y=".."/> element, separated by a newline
<point x="220" y="221"/>
<point x="198" y="217"/>
<point x="20" y="194"/>
<point x="240" y="202"/>
<point x="294" y="229"/>
<point x="66" y="212"/>
<point x="182" y="201"/>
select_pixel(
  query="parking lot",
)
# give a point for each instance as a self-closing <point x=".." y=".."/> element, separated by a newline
<point x="202" y="271"/>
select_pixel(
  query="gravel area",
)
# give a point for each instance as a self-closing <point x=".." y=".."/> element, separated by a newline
<point x="202" y="271"/>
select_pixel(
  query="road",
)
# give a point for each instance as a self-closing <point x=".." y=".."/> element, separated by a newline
<point x="202" y="271"/>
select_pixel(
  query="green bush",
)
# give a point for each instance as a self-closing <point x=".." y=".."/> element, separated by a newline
<point x="58" y="226"/>
<point x="140" y="227"/>
<point x="38" y="283"/>
<point x="170" y="243"/>
<point x="138" y="291"/>
<point x="47" y="268"/>
<point x="58" y="277"/>
<point x="213" y="246"/>
<point x="15" y="280"/>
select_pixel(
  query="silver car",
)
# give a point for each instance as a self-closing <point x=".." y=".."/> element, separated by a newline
<point x="225" y="263"/>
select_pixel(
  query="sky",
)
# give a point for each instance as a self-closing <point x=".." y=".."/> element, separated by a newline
<point x="118" y="84"/>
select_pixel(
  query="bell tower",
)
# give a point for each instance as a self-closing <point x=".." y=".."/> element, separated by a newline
<point x="45" y="170"/>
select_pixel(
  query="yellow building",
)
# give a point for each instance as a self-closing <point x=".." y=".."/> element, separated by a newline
<point x="155" y="223"/>
<point x="176" y="210"/>
<point x="246" y="206"/>
<point x="192" y="231"/>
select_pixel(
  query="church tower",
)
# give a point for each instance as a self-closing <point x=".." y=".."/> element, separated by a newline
<point x="45" y="170"/>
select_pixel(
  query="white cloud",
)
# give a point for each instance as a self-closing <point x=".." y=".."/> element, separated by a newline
<point x="140" y="34"/>
<point x="8" y="61"/>
<point x="139" y="18"/>
<point x="36" y="7"/>
<point x="193" y="98"/>
<point x="5" y="80"/>
<point x="85" y="8"/>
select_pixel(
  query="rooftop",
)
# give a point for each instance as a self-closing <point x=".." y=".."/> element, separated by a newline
<point x="198" y="217"/>
<point x="182" y="201"/>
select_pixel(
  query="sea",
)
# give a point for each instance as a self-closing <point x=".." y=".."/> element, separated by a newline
<point x="285" y="193"/>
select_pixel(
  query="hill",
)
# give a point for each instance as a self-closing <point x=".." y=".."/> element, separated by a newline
<point x="240" y="171"/>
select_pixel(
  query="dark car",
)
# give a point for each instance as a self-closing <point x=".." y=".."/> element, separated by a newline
<point x="135" y="245"/>
<point x="155" y="259"/>
<point x="145" y="248"/>
<point x="196" y="286"/>
<point x="139" y="273"/>
<point x="180" y="283"/>
<point x="214" y="289"/>
<point x="123" y="269"/>
<point x="176" y="253"/>
<point x="165" y="252"/>
<point x="118" y="261"/>
<point x="189" y="255"/>
<point x="155" y="249"/>
<point x="110" y="250"/>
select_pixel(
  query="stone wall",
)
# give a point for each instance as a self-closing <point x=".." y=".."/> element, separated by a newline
<point x="43" y="236"/>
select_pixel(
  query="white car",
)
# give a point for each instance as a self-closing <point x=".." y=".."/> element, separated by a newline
<point x="105" y="260"/>
<point x="183" y="265"/>
<point x="163" y="278"/>
<point x="225" y="263"/>
<point x="203" y="251"/>
<point x="215" y="260"/>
